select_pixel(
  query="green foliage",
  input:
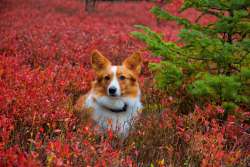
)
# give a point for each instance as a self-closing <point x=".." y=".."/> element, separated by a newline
<point x="156" y="43"/>
<point x="218" y="87"/>
<point x="210" y="61"/>
<point x="168" y="74"/>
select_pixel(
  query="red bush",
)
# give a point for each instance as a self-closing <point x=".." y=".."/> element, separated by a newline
<point x="44" y="67"/>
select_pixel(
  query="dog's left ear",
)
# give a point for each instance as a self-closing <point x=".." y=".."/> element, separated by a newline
<point x="133" y="63"/>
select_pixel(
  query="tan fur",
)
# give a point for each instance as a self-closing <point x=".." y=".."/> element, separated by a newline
<point x="100" y="84"/>
<point x="129" y="86"/>
<point x="133" y="63"/>
<point x="99" y="62"/>
<point x="80" y="103"/>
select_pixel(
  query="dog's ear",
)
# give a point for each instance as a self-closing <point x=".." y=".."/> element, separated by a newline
<point x="133" y="63"/>
<point x="99" y="62"/>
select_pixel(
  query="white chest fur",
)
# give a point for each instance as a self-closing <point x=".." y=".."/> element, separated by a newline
<point x="119" y="122"/>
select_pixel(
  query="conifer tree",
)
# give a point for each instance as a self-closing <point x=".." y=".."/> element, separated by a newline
<point x="210" y="63"/>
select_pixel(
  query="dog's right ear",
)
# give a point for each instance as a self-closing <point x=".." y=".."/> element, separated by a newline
<point x="134" y="62"/>
<point x="99" y="62"/>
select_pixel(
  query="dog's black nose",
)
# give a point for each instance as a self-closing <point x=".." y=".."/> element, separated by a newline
<point x="112" y="91"/>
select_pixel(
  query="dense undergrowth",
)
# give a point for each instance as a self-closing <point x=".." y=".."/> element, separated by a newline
<point x="44" y="67"/>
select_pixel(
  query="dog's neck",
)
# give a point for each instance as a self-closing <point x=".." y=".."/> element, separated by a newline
<point x="123" y="109"/>
<point x="120" y="111"/>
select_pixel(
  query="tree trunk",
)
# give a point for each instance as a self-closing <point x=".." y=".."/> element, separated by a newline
<point x="90" y="5"/>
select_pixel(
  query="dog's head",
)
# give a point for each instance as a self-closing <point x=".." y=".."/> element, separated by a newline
<point x="116" y="81"/>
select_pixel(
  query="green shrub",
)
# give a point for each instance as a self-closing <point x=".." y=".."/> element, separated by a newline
<point x="210" y="63"/>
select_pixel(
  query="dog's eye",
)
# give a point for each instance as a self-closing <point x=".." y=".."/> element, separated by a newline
<point x="107" y="78"/>
<point x="122" y="77"/>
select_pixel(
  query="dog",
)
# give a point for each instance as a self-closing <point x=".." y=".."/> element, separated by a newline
<point x="115" y="96"/>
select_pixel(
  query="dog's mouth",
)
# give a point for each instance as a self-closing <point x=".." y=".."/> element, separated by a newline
<point x="115" y="95"/>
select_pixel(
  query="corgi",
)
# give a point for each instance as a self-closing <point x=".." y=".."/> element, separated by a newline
<point x="115" y="96"/>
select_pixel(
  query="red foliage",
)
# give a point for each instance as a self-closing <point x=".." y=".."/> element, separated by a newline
<point x="44" y="66"/>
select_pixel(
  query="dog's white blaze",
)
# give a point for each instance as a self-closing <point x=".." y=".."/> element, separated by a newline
<point x="114" y="82"/>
